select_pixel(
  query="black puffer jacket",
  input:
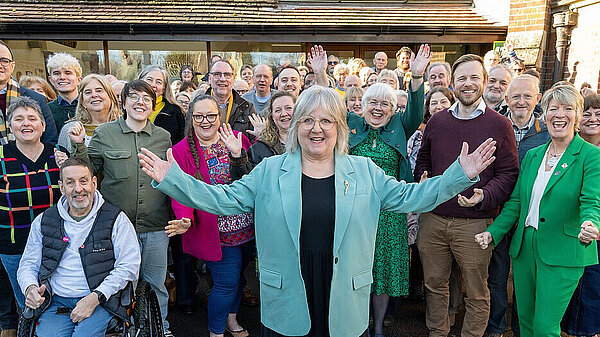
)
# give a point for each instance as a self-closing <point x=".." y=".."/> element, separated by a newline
<point x="171" y="119"/>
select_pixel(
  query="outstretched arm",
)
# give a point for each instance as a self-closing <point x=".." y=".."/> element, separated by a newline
<point x="218" y="199"/>
<point x="402" y="197"/>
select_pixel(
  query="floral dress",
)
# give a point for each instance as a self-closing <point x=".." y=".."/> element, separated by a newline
<point x="390" y="267"/>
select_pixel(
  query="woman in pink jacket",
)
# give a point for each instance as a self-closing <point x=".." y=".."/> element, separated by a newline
<point x="224" y="242"/>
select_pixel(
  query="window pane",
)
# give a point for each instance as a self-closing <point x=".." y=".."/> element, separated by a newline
<point x="253" y="53"/>
<point x="128" y="58"/>
<point x="31" y="55"/>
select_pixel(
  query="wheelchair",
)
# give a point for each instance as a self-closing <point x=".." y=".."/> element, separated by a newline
<point x="143" y="315"/>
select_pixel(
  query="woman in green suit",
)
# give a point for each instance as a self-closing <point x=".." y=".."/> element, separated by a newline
<point x="555" y="208"/>
<point x="316" y="212"/>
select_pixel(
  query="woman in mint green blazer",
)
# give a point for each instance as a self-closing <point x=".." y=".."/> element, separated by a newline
<point x="555" y="208"/>
<point x="316" y="193"/>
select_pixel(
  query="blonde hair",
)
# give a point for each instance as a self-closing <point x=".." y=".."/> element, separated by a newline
<point x="168" y="93"/>
<point x="341" y="68"/>
<point x="353" y="92"/>
<point x="27" y="81"/>
<point x="63" y="60"/>
<point x="355" y="65"/>
<point x="567" y="95"/>
<point x="82" y="114"/>
<point x="318" y="97"/>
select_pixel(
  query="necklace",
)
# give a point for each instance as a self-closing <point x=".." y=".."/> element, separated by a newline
<point x="554" y="157"/>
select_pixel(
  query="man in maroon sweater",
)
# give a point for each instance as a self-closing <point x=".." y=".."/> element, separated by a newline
<point x="447" y="232"/>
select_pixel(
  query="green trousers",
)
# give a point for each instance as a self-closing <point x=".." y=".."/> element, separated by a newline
<point x="543" y="292"/>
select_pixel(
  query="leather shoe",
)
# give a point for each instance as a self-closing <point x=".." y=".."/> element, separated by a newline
<point x="248" y="297"/>
<point x="239" y="333"/>
<point x="188" y="309"/>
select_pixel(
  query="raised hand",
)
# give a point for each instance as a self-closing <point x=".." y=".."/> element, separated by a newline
<point x="155" y="167"/>
<point x="34" y="298"/>
<point x="258" y="123"/>
<point x="317" y="58"/>
<point x="472" y="201"/>
<point x="419" y="62"/>
<point x="177" y="227"/>
<point x="476" y="162"/>
<point x="484" y="239"/>
<point x="588" y="233"/>
<point x="77" y="133"/>
<point x="233" y="143"/>
<point x="59" y="157"/>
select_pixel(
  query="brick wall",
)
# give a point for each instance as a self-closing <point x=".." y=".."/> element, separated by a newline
<point x="583" y="58"/>
<point x="528" y="29"/>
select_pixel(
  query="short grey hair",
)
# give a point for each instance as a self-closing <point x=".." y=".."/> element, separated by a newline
<point x="401" y="93"/>
<point x="23" y="102"/>
<point x="525" y="77"/>
<point x="503" y="67"/>
<point x="567" y="95"/>
<point x="445" y="64"/>
<point x="331" y="102"/>
<point x="380" y="92"/>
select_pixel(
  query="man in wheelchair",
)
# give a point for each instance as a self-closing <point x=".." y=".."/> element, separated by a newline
<point x="80" y="255"/>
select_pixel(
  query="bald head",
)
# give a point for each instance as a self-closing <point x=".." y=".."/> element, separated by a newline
<point x="352" y="81"/>
<point x="522" y="95"/>
<point x="262" y="79"/>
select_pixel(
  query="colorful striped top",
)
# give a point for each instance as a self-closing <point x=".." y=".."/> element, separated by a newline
<point x="26" y="189"/>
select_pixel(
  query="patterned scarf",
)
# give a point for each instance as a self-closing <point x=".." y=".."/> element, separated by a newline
<point x="12" y="91"/>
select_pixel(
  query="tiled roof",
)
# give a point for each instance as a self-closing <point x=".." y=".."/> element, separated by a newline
<point x="450" y="14"/>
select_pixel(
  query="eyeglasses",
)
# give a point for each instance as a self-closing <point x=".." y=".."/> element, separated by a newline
<point x="186" y="72"/>
<point x="220" y="74"/>
<point x="211" y="118"/>
<point x="332" y="63"/>
<point x="5" y="62"/>
<point x="307" y="123"/>
<point x="136" y="98"/>
<point x="383" y="105"/>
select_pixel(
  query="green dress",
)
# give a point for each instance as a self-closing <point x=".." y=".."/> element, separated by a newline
<point x="390" y="267"/>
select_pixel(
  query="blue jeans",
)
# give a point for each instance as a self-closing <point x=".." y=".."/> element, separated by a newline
<point x="8" y="311"/>
<point x="11" y="265"/>
<point x="226" y="293"/>
<point x="51" y="324"/>
<point x="153" y="246"/>
<point x="499" y="270"/>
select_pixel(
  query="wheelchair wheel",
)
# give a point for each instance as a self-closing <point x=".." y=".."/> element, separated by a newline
<point x="146" y="312"/>
<point x="24" y="329"/>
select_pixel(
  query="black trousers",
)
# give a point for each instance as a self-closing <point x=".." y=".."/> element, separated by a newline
<point x="8" y="311"/>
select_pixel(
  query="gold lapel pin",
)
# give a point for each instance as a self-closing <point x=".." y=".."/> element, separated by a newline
<point x="346" y="188"/>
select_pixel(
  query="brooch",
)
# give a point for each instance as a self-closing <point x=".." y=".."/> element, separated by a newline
<point x="557" y="173"/>
<point x="564" y="165"/>
<point x="353" y="131"/>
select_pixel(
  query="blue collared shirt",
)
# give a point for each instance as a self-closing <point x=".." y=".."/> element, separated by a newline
<point x="4" y="91"/>
<point x="64" y="102"/>
<point x="478" y="111"/>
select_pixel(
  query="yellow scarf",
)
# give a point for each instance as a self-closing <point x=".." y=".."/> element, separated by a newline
<point x="157" y="108"/>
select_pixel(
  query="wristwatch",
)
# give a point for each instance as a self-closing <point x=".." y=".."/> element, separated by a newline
<point x="101" y="297"/>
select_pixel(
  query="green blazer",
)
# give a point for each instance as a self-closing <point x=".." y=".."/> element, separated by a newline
<point x="571" y="197"/>
<point x="272" y="191"/>
<point x="396" y="132"/>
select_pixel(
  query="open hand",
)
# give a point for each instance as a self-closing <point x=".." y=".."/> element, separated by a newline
<point x="419" y="62"/>
<point x="155" y="167"/>
<point x="77" y="133"/>
<point x="484" y="239"/>
<point x="258" y="123"/>
<point x="177" y="227"/>
<point x="34" y="298"/>
<point x="59" y="157"/>
<point x="317" y="58"/>
<point x="588" y="233"/>
<point x="85" y="308"/>
<point x="476" y="162"/>
<point x="233" y="143"/>
<point x="472" y="201"/>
